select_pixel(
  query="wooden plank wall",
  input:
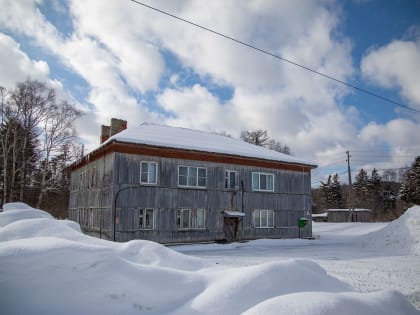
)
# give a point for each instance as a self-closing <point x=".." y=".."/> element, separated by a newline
<point x="91" y="195"/>
<point x="290" y="200"/>
<point x="95" y="185"/>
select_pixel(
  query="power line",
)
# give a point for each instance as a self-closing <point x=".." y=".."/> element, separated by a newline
<point x="355" y="87"/>
<point x="407" y="148"/>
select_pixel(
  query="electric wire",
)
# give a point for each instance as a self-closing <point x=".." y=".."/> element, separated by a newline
<point x="355" y="87"/>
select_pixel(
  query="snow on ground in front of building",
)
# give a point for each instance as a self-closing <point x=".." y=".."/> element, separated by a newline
<point x="48" y="266"/>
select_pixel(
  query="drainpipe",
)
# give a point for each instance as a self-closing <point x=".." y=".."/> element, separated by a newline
<point x="242" y="195"/>
<point x="114" y="207"/>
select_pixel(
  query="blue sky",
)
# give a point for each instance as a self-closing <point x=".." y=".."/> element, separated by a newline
<point x="372" y="24"/>
<point x="119" y="59"/>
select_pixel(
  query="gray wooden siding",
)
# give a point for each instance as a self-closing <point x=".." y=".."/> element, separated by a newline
<point x="290" y="200"/>
<point x="91" y="195"/>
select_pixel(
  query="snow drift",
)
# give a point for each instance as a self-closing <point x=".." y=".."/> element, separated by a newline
<point x="17" y="211"/>
<point x="48" y="266"/>
<point x="401" y="236"/>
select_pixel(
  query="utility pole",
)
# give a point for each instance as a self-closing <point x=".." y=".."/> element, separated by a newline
<point x="349" y="201"/>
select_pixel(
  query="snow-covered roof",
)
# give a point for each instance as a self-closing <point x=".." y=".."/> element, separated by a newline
<point x="189" y="139"/>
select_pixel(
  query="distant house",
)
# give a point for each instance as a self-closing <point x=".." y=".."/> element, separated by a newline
<point x="345" y="215"/>
<point x="175" y="185"/>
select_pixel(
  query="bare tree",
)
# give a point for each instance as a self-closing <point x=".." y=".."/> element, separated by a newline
<point x="257" y="137"/>
<point x="37" y="136"/>
<point x="33" y="101"/>
<point x="4" y="140"/>
<point x="260" y="137"/>
<point x="11" y="146"/>
<point x="277" y="146"/>
<point x="58" y="133"/>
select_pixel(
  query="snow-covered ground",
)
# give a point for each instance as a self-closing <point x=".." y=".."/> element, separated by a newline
<point x="48" y="266"/>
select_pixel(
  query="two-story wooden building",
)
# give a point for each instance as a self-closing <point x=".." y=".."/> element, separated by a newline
<point x="176" y="185"/>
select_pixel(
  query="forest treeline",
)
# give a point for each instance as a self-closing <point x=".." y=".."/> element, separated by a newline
<point x="38" y="140"/>
<point x="386" y="196"/>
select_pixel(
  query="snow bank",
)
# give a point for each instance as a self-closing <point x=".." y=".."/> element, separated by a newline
<point x="400" y="237"/>
<point x="235" y="290"/>
<point x="16" y="211"/>
<point x="348" y="303"/>
<point x="49" y="267"/>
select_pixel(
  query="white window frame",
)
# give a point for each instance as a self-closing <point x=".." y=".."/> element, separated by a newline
<point x="257" y="186"/>
<point x="142" y="219"/>
<point x="192" y="216"/>
<point x="261" y="218"/>
<point x="190" y="175"/>
<point x="228" y="177"/>
<point x="148" y="181"/>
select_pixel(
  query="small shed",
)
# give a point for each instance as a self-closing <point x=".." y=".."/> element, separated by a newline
<point x="349" y="215"/>
<point x="320" y="217"/>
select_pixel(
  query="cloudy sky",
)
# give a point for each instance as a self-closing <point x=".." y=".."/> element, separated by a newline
<point x="116" y="58"/>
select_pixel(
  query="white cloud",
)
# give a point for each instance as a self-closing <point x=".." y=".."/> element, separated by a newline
<point x="197" y="108"/>
<point x="94" y="58"/>
<point x="24" y="17"/>
<point x="17" y="66"/>
<point x="396" y="132"/>
<point x="118" y="28"/>
<point x="396" y="65"/>
<point x="119" y="49"/>
<point x="268" y="93"/>
<point x="400" y="135"/>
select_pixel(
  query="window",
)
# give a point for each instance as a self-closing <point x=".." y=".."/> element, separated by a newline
<point x="148" y="173"/>
<point x="93" y="177"/>
<point x="263" y="218"/>
<point x="82" y="180"/>
<point x="231" y="179"/>
<point x="191" y="176"/>
<point x="263" y="181"/>
<point x="188" y="219"/>
<point x="146" y="219"/>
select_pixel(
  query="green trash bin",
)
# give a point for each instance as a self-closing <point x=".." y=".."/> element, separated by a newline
<point x="302" y="222"/>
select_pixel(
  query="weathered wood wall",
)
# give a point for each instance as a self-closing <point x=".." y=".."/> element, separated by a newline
<point x="120" y="172"/>
<point x="91" y="195"/>
<point x="342" y="215"/>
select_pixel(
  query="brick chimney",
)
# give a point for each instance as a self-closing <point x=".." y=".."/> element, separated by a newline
<point x="117" y="125"/>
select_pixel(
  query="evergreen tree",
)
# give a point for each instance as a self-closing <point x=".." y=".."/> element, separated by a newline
<point x="325" y="191"/>
<point x="360" y="188"/>
<point x="375" y="184"/>
<point x="336" y="192"/>
<point x="331" y="193"/>
<point x="410" y="188"/>
<point x="375" y="194"/>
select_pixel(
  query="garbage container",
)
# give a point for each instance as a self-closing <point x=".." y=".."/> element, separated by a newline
<point x="302" y="222"/>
